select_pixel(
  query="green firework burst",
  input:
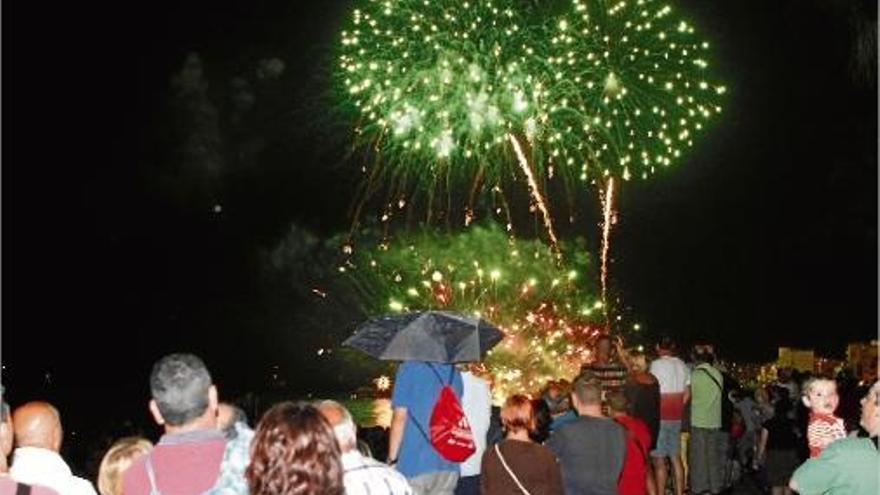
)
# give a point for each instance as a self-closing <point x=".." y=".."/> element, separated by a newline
<point x="630" y="88"/>
<point x="437" y="86"/>
<point x="545" y="307"/>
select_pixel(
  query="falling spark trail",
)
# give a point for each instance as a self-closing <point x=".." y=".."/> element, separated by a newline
<point x="536" y="193"/>
<point x="608" y="212"/>
<point x="478" y="182"/>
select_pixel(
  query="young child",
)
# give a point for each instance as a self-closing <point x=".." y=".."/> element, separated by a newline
<point x="820" y="396"/>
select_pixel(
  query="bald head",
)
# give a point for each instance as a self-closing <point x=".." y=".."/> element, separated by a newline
<point x="37" y="424"/>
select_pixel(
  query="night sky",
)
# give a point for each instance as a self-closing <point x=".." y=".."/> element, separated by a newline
<point x="765" y="235"/>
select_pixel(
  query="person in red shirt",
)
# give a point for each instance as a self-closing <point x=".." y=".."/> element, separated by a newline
<point x="187" y="459"/>
<point x="633" y="477"/>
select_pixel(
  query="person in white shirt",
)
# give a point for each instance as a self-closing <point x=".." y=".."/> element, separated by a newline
<point x="38" y="437"/>
<point x="362" y="475"/>
<point x="674" y="378"/>
<point x="476" y="401"/>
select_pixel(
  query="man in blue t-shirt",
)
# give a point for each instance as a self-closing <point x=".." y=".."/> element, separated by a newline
<point x="416" y="389"/>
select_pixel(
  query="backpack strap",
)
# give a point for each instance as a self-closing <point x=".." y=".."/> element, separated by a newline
<point x="510" y="471"/>
<point x="717" y="383"/>
<point x="151" y="475"/>
<point x="22" y="489"/>
<point x="413" y="418"/>
<point x="437" y="374"/>
<point x="419" y="426"/>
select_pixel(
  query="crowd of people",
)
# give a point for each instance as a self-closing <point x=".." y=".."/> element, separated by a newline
<point x="625" y="425"/>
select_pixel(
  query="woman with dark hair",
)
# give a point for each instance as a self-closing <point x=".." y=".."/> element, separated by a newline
<point x="294" y="452"/>
<point x="540" y="431"/>
<point x="517" y="464"/>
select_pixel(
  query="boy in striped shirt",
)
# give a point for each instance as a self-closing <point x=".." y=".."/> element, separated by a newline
<point x="820" y="396"/>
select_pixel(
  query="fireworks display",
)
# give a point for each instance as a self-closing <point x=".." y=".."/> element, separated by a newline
<point x="438" y="85"/>
<point x="631" y="88"/>
<point x="544" y="306"/>
<point x="608" y="88"/>
<point x="457" y="96"/>
<point x="630" y="91"/>
<point x="453" y="95"/>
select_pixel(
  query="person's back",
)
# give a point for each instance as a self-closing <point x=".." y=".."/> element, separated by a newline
<point x="590" y="449"/>
<point x="708" y="443"/>
<point x="36" y="459"/>
<point x="416" y="389"/>
<point x="848" y="466"/>
<point x="633" y="478"/>
<point x="533" y="465"/>
<point x="187" y="459"/>
<point x="232" y="422"/>
<point x="365" y="476"/>
<point x="673" y="377"/>
<point x="516" y="464"/>
<point x="638" y="438"/>
<point x="748" y="409"/>
<point x="362" y="475"/>
<point x="747" y="443"/>
<point x="9" y="486"/>
<point x="642" y="392"/>
<point x="181" y="465"/>
<point x="476" y="401"/>
<point x="706" y="396"/>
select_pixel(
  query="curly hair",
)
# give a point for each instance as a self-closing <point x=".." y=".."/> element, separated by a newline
<point x="294" y="452"/>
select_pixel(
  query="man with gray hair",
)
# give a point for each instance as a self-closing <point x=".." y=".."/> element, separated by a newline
<point x="188" y="457"/>
<point x="363" y="475"/>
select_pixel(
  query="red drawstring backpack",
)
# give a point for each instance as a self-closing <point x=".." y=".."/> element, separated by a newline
<point x="451" y="434"/>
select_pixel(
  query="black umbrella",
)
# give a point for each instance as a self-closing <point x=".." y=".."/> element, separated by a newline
<point x="435" y="336"/>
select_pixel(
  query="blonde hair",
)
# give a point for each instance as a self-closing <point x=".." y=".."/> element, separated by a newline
<point x="118" y="458"/>
<point x="809" y="383"/>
